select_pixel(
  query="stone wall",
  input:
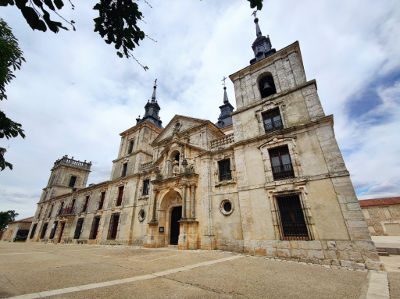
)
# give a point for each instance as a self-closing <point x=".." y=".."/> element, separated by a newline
<point x="382" y="216"/>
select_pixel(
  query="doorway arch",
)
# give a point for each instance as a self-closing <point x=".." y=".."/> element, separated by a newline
<point x="170" y="213"/>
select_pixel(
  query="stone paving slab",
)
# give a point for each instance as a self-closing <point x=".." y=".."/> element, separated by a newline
<point x="29" y="268"/>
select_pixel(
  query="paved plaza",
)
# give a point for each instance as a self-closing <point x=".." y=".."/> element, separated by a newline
<point x="91" y="271"/>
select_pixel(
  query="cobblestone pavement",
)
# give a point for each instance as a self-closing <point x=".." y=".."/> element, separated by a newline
<point x="91" y="271"/>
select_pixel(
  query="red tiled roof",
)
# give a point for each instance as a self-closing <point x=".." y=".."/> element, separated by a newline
<point x="25" y="220"/>
<point x="379" y="202"/>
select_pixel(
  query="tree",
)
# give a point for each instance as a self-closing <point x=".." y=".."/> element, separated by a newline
<point x="6" y="218"/>
<point x="10" y="60"/>
<point x="117" y="24"/>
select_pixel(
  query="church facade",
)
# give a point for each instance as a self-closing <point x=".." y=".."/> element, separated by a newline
<point x="267" y="178"/>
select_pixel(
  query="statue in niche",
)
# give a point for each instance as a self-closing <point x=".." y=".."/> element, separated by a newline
<point x="177" y="127"/>
<point x="175" y="168"/>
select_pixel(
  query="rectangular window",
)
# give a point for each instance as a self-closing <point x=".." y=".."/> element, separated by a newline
<point x="130" y="146"/>
<point x="85" y="205"/>
<point x="72" y="181"/>
<point x="53" y="230"/>
<point x="113" y="229"/>
<point x="60" y="211"/>
<point x="272" y="120"/>
<point x="146" y="187"/>
<point x="50" y="212"/>
<point x="44" y="229"/>
<point x="120" y="195"/>
<point x="224" y="167"/>
<point x="78" y="228"/>
<point x="101" y="202"/>
<point x="33" y="231"/>
<point x="281" y="163"/>
<point x="293" y="224"/>
<point x="124" y="169"/>
<point x="95" y="228"/>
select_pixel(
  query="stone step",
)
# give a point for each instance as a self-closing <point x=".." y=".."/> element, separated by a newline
<point x="173" y="246"/>
<point x="382" y="251"/>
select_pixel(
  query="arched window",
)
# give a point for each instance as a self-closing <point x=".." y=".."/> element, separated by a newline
<point x="266" y="85"/>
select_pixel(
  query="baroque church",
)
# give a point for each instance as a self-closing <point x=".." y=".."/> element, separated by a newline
<point x="267" y="178"/>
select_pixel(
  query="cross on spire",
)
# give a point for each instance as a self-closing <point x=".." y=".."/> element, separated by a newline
<point x="223" y="81"/>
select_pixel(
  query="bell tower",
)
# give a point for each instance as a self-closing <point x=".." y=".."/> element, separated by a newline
<point x="152" y="109"/>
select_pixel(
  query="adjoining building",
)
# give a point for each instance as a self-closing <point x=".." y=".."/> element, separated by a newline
<point x="17" y="230"/>
<point x="382" y="215"/>
<point x="266" y="179"/>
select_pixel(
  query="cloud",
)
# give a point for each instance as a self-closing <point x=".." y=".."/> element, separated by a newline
<point x="74" y="95"/>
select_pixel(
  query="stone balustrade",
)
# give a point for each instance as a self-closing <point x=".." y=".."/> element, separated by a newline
<point x="146" y="166"/>
<point x="222" y="142"/>
<point x="66" y="161"/>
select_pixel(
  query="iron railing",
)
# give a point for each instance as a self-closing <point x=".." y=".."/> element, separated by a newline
<point x="282" y="171"/>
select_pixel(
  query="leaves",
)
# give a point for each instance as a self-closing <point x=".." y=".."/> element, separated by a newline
<point x="256" y="3"/>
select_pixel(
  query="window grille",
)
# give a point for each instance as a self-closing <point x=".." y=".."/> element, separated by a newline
<point x="272" y="120"/>
<point x="281" y="163"/>
<point x="224" y="167"/>
<point x="292" y="220"/>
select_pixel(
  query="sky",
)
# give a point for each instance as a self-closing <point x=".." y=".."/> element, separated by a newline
<point x="74" y="95"/>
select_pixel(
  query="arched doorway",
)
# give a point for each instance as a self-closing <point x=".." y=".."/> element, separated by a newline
<point x="176" y="214"/>
<point x="169" y="215"/>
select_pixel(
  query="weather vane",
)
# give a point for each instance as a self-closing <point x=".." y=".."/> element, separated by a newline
<point x="155" y="82"/>
<point x="254" y="14"/>
<point x="223" y="81"/>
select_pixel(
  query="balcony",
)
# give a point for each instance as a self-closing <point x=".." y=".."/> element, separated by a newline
<point x="283" y="171"/>
<point x="69" y="211"/>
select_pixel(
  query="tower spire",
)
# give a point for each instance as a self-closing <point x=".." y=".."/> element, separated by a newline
<point x="225" y="118"/>
<point x="262" y="45"/>
<point x="153" y="97"/>
<point x="258" y="30"/>
<point x="226" y="100"/>
<point x="151" y="109"/>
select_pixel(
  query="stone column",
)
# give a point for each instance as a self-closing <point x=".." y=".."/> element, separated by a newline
<point x="184" y="202"/>
<point x="154" y="216"/>
<point x="193" y="202"/>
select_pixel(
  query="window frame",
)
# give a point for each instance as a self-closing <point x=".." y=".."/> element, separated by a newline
<point x="112" y="228"/>
<point x="79" y="222"/>
<point x="227" y="174"/>
<point x="120" y="196"/>
<point x="101" y="201"/>
<point x="131" y="144"/>
<point x="283" y="173"/>
<point x="285" y="234"/>
<point x="146" y="187"/>
<point x="70" y="185"/>
<point x="272" y="115"/>
<point x="124" y="169"/>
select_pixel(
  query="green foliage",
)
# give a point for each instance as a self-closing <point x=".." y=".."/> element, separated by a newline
<point x="10" y="60"/>
<point x="117" y="22"/>
<point x="256" y="4"/>
<point x="6" y="218"/>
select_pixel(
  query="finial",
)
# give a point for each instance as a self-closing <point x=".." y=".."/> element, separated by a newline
<point x="258" y="30"/>
<point x="223" y="81"/>
<point x="225" y="94"/>
<point x="153" y="97"/>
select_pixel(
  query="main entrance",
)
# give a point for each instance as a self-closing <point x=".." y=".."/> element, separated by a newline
<point x="176" y="214"/>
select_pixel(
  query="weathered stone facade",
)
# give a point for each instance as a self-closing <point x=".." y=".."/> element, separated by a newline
<point x="274" y="183"/>
<point x="382" y="215"/>
<point x="17" y="230"/>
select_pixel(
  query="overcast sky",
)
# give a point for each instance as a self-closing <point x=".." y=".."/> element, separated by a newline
<point x="74" y="95"/>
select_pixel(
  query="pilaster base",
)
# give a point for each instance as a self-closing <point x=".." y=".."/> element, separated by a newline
<point x="188" y="234"/>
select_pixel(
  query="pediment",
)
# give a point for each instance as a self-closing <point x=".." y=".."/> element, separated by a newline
<point x="178" y="124"/>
